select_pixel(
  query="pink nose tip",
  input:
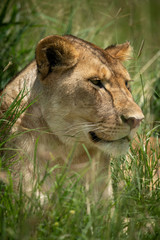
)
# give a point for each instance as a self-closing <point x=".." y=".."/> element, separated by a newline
<point x="132" y="121"/>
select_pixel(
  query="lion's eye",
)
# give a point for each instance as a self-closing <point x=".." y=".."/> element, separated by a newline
<point x="96" y="82"/>
<point x="127" y="85"/>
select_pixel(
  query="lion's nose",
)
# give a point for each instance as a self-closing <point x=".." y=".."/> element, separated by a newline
<point x="133" y="122"/>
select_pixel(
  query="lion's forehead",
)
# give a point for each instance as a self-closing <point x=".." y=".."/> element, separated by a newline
<point x="90" y="67"/>
<point x="89" y="48"/>
<point x="97" y="62"/>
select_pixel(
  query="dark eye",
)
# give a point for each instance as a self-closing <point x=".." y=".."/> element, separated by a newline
<point x="96" y="82"/>
<point x="127" y="85"/>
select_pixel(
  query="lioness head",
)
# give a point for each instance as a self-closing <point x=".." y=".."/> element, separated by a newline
<point x="86" y="95"/>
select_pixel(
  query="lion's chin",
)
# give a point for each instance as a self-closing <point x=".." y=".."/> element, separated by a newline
<point x="116" y="148"/>
<point x="113" y="148"/>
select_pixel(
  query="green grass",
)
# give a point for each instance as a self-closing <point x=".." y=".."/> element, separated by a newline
<point x="135" y="210"/>
<point x="133" y="214"/>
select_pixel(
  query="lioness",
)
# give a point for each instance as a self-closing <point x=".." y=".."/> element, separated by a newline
<point x="82" y="95"/>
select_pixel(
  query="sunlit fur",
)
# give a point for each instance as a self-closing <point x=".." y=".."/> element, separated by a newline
<point x="68" y="106"/>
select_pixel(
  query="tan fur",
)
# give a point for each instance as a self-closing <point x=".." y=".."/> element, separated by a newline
<point x="70" y="108"/>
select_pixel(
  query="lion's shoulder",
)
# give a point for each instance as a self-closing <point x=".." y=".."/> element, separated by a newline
<point x="19" y="86"/>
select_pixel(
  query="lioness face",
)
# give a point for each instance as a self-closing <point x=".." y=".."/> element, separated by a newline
<point x="87" y="91"/>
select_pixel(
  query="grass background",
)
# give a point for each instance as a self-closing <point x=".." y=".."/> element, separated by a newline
<point x="137" y="205"/>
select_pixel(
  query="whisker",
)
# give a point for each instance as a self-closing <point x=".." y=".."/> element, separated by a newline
<point x="71" y="128"/>
<point x="89" y="128"/>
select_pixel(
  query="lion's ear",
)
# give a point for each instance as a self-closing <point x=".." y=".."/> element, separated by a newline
<point x="120" y="51"/>
<point x="55" y="52"/>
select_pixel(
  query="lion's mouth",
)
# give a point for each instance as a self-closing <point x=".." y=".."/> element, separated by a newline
<point x="96" y="139"/>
